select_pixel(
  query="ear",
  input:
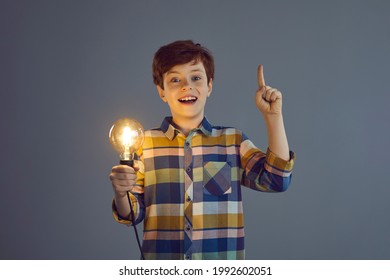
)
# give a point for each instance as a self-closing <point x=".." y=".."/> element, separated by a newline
<point x="161" y="93"/>
<point x="210" y="86"/>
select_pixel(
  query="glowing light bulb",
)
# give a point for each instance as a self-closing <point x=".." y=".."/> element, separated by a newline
<point x="126" y="137"/>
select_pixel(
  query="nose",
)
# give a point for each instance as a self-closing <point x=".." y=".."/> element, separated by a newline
<point x="186" y="86"/>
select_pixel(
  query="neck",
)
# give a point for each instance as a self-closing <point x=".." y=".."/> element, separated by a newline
<point x="186" y="125"/>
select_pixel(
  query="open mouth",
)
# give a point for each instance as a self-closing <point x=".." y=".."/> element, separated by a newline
<point x="188" y="99"/>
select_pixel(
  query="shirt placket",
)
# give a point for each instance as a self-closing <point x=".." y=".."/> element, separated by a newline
<point x="188" y="187"/>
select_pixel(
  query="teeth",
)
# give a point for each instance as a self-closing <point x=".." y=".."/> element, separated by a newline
<point x="189" y="98"/>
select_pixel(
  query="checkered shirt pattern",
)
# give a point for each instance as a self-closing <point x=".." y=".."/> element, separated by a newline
<point x="188" y="190"/>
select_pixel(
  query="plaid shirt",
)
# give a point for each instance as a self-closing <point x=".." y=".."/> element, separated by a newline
<point x="188" y="190"/>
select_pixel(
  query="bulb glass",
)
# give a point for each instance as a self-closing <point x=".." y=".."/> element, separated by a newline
<point x="126" y="137"/>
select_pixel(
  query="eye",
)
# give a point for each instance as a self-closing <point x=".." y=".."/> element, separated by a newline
<point x="196" y="78"/>
<point x="174" y="80"/>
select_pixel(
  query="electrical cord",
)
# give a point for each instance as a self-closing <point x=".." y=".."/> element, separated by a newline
<point x="132" y="215"/>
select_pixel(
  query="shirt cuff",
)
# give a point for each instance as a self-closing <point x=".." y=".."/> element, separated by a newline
<point x="116" y="215"/>
<point x="276" y="163"/>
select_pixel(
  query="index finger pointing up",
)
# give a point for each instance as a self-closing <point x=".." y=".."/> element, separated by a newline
<point x="260" y="76"/>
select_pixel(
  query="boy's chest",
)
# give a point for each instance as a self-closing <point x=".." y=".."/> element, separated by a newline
<point x="204" y="172"/>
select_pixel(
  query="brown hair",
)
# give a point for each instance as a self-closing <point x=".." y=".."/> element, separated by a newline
<point x="177" y="53"/>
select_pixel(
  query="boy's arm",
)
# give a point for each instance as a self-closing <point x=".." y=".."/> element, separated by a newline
<point x="269" y="102"/>
<point x="124" y="179"/>
<point x="125" y="217"/>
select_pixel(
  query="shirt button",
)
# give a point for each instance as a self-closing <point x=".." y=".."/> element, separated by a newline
<point x="188" y="199"/>
<point x="187" y="257"/>
<point x="188" y="169"/>
<point x="188" y="228"/>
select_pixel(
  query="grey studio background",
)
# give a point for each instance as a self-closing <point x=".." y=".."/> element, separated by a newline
<point x="69" y="69"/>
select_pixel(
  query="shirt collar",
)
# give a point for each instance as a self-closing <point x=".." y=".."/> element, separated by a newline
<point x="169" y="129"/>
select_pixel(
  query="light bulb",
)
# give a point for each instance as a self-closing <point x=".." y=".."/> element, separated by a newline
<point x="126" y="137"/>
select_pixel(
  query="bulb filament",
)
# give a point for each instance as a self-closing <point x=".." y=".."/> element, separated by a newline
<point x="128" y="139"/>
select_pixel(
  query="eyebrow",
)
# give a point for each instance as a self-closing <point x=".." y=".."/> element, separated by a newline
<point x="193" y="70"/>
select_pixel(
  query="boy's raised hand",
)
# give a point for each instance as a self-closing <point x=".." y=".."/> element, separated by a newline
<point x="268" y="99"/>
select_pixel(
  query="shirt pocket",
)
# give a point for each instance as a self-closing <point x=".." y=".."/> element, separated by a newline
<point x="217" y="178"/>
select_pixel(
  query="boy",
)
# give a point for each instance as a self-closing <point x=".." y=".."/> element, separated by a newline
<point x="187" y="184"/>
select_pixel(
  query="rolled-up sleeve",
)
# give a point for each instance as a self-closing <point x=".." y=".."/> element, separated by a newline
<point x="136" y="202"/>
<point x="265" y="171"/>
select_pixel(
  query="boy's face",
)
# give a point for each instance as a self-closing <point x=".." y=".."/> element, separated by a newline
<point x="186" y="91"/>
